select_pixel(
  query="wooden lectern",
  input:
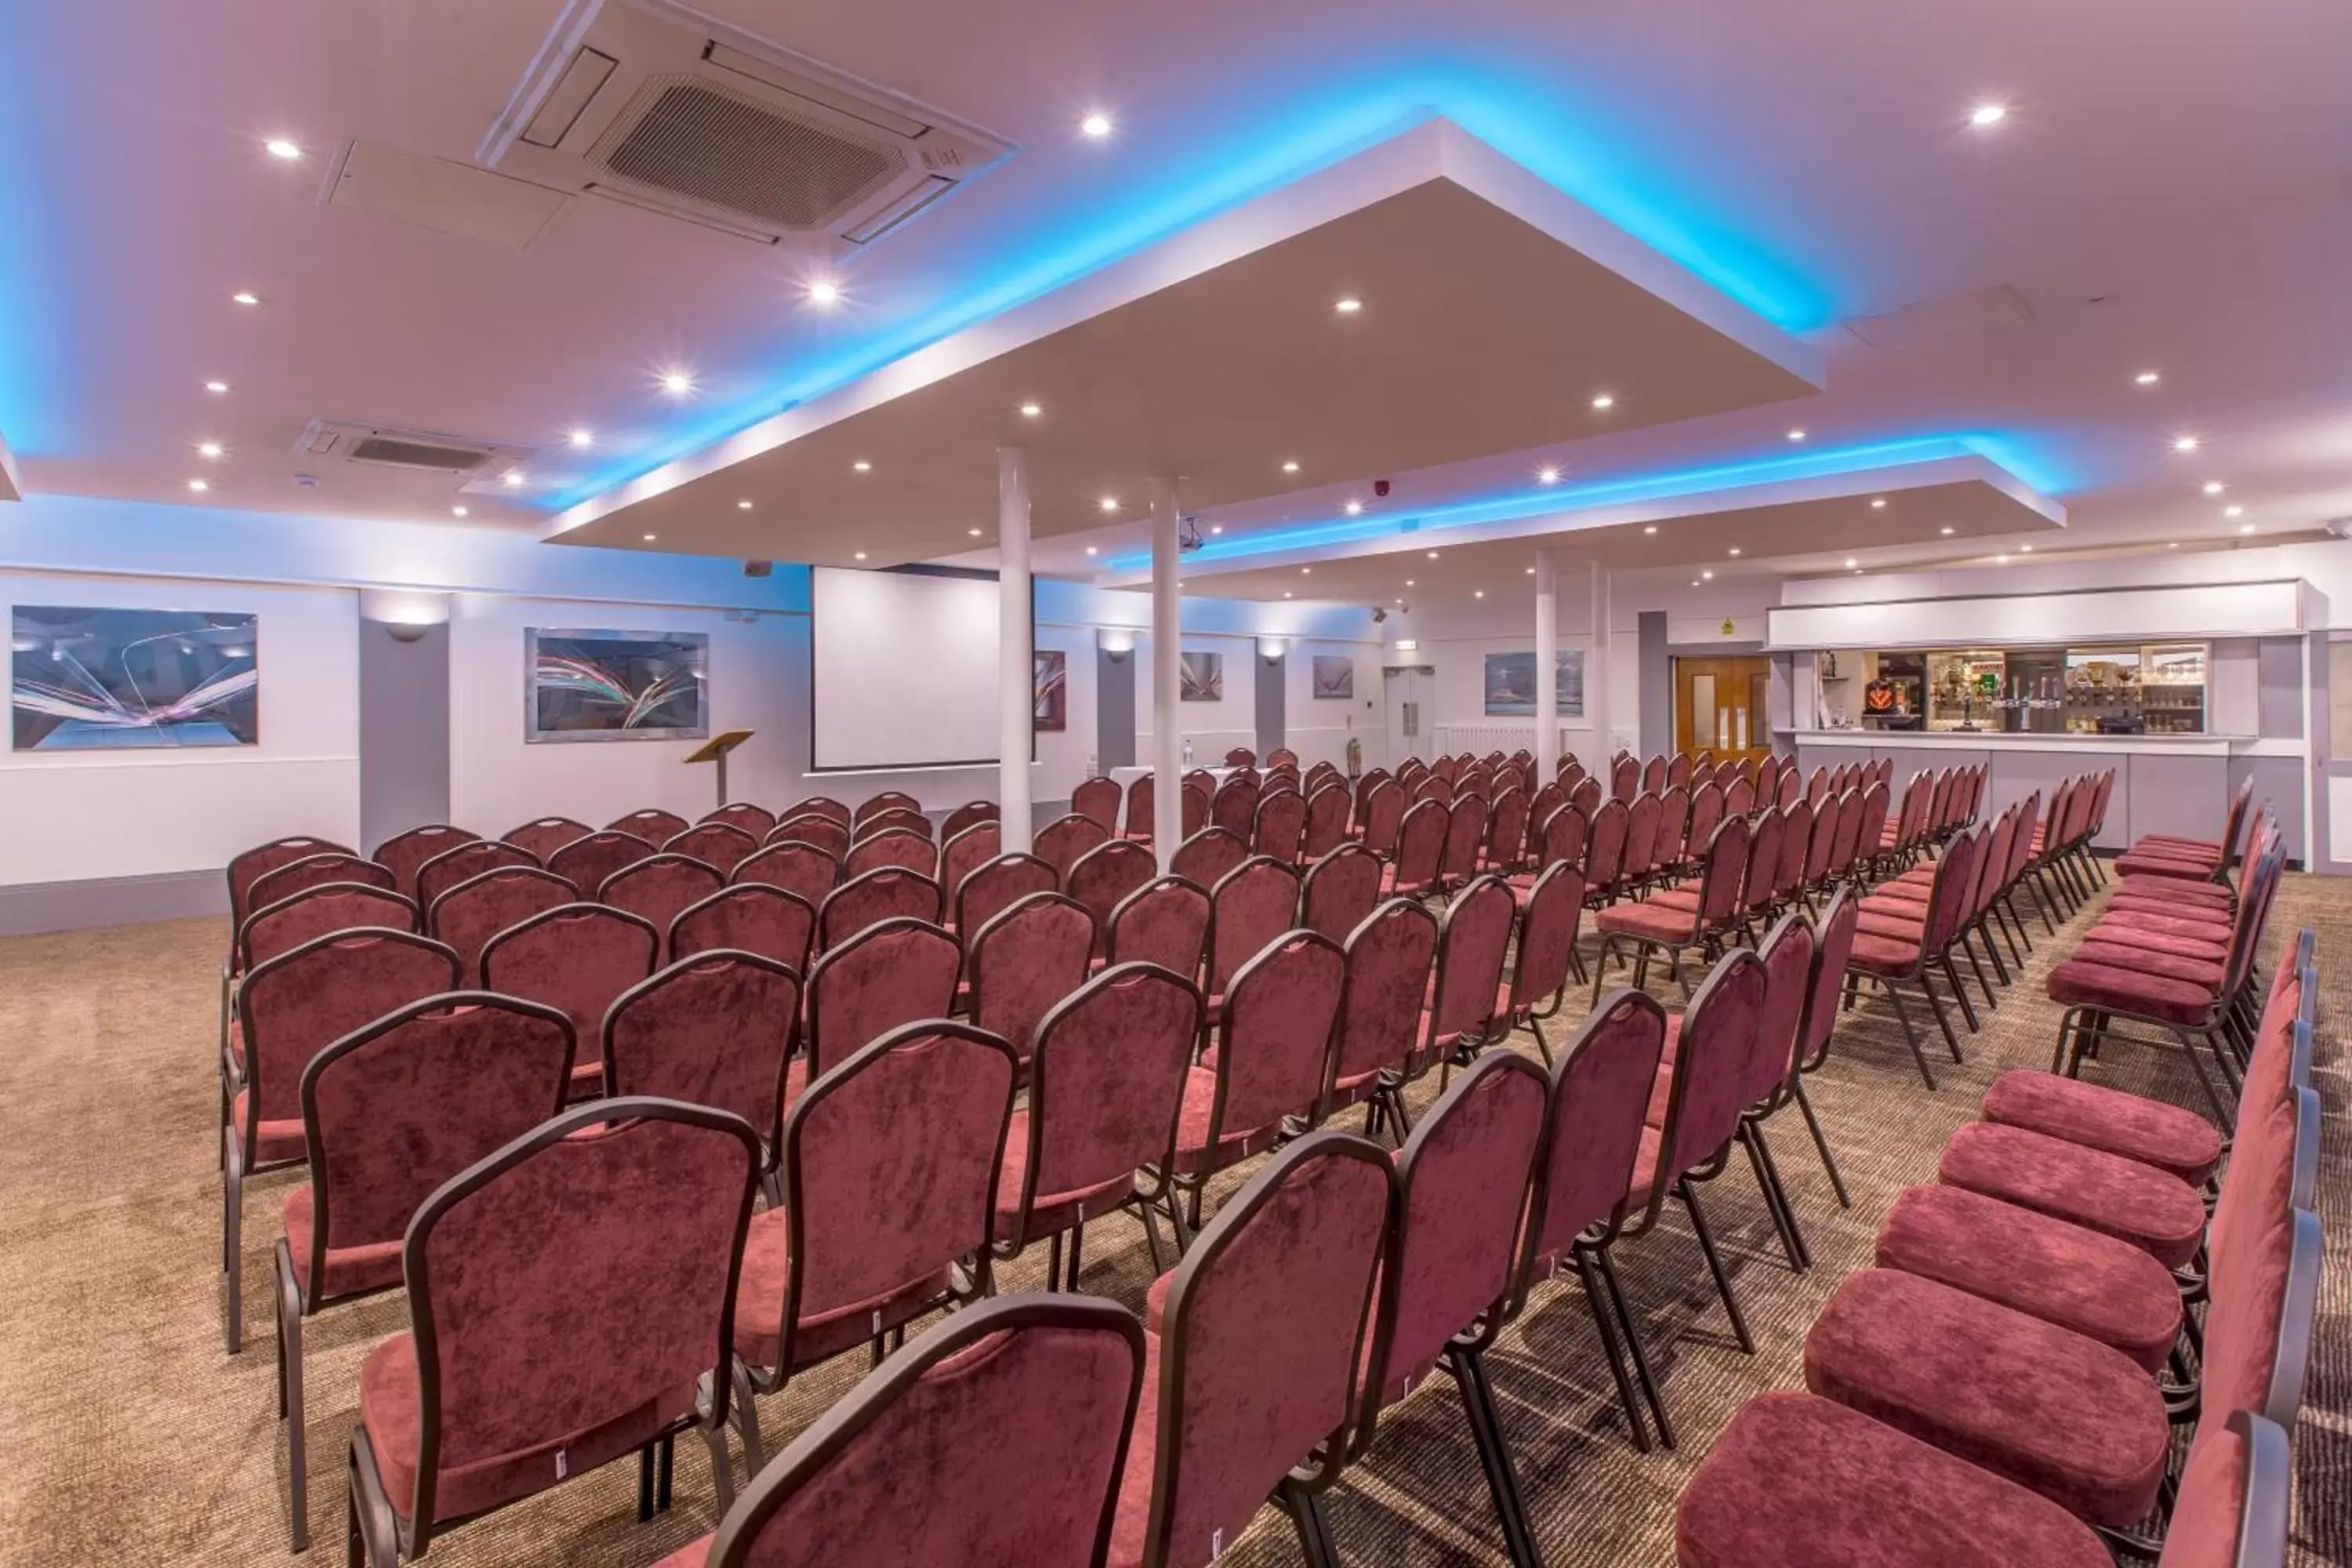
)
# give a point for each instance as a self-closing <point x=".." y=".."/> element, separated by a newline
<point x="715" y="750"/>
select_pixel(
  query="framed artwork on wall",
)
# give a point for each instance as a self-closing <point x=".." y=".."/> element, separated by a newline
<point x="1204" y="676"/>
<point x="1050" y="689"/>
<point x="95" y="679"/>
<point x="615" y="686"/>
<point x="1511" y="684"/>
<point x="1335" y="676"/>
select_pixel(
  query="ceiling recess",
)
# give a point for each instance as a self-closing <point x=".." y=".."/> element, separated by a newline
<point x="653" y="105"/>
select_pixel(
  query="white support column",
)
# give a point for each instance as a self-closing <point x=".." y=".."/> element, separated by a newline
<point x="1016" y="674"/>
<point x="1597" y="677"/>
<point x="1547" y="746"/>
<point x="1166" y="648"/>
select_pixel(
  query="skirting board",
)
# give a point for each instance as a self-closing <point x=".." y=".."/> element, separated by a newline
<point x="31" y="906"/>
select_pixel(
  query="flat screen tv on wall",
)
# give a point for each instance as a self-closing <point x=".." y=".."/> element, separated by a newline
<point x="98" y="679"/>
<point x="617" y="686"/>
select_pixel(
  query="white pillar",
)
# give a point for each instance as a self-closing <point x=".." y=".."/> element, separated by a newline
<point x="1547" y="746"/>
<point x="1596" y="678"/>
<point x="1167" y="647"/>
<point x="1015" y="673"/>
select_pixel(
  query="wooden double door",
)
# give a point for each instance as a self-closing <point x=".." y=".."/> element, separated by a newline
<point x="1722" y="706"/>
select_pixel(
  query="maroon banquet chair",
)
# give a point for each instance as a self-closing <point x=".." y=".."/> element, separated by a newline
<point x="404" y="853"/>
<point x="1600" y="1087"/>
<point x="897" y="847"/>
<point x="1252" y="905"/>
<point x="1097" y="798"/>
<point x="1340" y="891"/>
<point x="587" y="863"/>
<point x="1264" y="1072"/>
<point x="543" y="836"/>
<point x="288" y="1010"/>
<point x="1680" y="920"/>
<point x="819" y="832"/>
<point x="391" y="1111"/>
<point x="1894" y="955"/>
<point x="1832" y="950"/>
<point x="1787" y="952"/>
<point x="889" y="1180"/>
<point x="1255" y="1346"/>
<point x="470" y="860"/>
<point x="1545" y="954"/>
<point x="804" y="870"/>
<point x="315" y="911"/>
<point x="716" y="1029"/>
<point x="970" y="815"/>
<point x="988" y="890"/>
<point x="895" y="971"/>
<point x="892" y="892"/>
<point x="1205" y="856"/>
<point x="720" y="844"/>
<point x="745" y="818"/>
<point x="1465" y="835"/>
<point x="1328" y="809"/>
<point x="246" y="869"/>
<point x="1281" y="828"/>
<point x="1166" y="923"/>
<point x="1391" y="955"/>
<point x="659" y="887"/>
<point x="750" y="917"/>
<point x="653" y="825"/>
<point x="1141" y="796"/>
<point x="1107" y="1077"/>
<point x="467" y="1413"/>
<point x="966" y="852"/>
<point x="1463" y="1181"/>
<point x="896" y="819"/>
<point x="1506" y="833"/>
<point x="1104" y="875"/>
<point x="1061" y="841"/>
<point x="1605" y="837"/>
<point x="478" y="909"/>
<point x="949" y="1407"/>
<point x="1023" y="961"/>
<point x="1420" y="851"/>
<point x="312" y="871"/>
<point x="1241" y="757"/>
<point x="874" y="805"/>
<point x="577" y="959"/>
<point x="1383" y="812"/>
<point x="1473" y="941"/>
<point x="822" y="805"/>
<point x="1233" y="806"/>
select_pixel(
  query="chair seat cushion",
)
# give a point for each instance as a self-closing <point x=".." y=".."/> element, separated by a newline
<point x="2214" y="949"/>
<point x="1685" y="898"/>
<point x="2173" y="890"/>
<point x="2079" y="983"/>
<point x="2169" y="920"/>
<point x="2107" y="1119"/>
<point x="2073" y="1419"/>
<point x="2205" y="973"/>
<point x="391" y="1408"/>
<point x="2100" y="1288"/>
<point x="2132" y="863"/>
<point x="760" y="1304"/>
<point x="274" y="1142"/>
<point x="1800" y="1481"/>
<point x="2159" y="1214"/>
<point x="1054" y="1211"/>
<point x="1650" y="921"/>
<point x="693" y="1554"/>
<point x="350" y="1270"/>
<point x="1193" y="1155"/>
<point x="1892" y="928"/>
<point x="2209" y="847"/>
<point x="1878" y="954"/>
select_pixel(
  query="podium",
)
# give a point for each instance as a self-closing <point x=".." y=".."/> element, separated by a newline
<point x="715" y="750"/>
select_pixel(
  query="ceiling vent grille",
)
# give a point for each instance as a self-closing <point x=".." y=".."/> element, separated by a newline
<point x="418" y="451"/>
<point x="653" y="105"/>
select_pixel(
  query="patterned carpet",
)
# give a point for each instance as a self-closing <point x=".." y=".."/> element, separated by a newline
<point x="131" y="1438"/>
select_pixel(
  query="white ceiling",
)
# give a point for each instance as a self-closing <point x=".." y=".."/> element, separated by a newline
<point x="2168" y="192"/>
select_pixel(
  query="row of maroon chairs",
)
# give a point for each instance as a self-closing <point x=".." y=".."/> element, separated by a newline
<point x="2005" y="1385"/>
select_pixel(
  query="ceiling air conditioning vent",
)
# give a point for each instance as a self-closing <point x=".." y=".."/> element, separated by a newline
<point x="650" y="104"/>
<point x="422" y="451"/>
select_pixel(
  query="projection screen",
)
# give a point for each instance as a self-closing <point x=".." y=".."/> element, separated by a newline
<point x="903" y="670"/>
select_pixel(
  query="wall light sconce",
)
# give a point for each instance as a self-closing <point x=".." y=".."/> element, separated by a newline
<point x="1115" y="641"/>
<point x="405" y="616"/>
<point x="1272" y="648"/>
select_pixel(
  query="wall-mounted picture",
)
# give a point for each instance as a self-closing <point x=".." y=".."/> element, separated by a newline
<point x="1204" y="676"/>
<point x="617" y="686"/>
<point x="1050" y="689"/>
<point x="92" y="680"/>
<point x="1511" y="684"/>
<point x="1335" y="676"/>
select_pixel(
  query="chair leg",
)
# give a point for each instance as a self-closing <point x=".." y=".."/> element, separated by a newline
<point x="1688" y="1192"/>
<point x="233" y="1246"/>
<point x="289" y="1404"/>
<point x="1642" y="1370"/>
<point x="722" y="1473"/>
<point x="1494" y="1455"/>
<point x="1822" y="1144"/>
<point x="1910" y="1035"/>
<point x="1078" y="1244"/>
<point x="1306" y="1511"/>
<point x="1776" y="1199"/>
<point x="1943" y="1019"/>
<point x="1534" y="1026"/>
<point x="746" y="1417"/>
<point x="1625" y="1397"/>
<point x="1960" y="992"/>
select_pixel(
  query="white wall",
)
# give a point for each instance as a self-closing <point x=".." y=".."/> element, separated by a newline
<point x="145" y="813"/>
<point x="1319" y="729"/>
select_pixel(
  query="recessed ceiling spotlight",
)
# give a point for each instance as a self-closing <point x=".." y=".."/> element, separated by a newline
<point x="1707" y="575"/>
<point x="650" y="539"/>
<point x="1408" y="582"/>
<point x="458" y="511"/>
<point x="857" y="556"/>
<point x="2174" y="545"/>
<point x="1694" y="582"/>
<point x="1878" y="503"/>
<point x="824" y="291"/>
<point x="199" y="486"/>
<point x="2233" y="512"/>
<point x="1433" y="555"/>
<point x="1735" y="550"/>
<point x="2027" y="549"/>
<point x="1097" y="124"/>
<point x="862" y="466"/>
<point x="1605" y="401"/>
<point x="1796" y="435"/>
<point x="1347" y="306"/>
<point x="1985" y="114"/>
<point x="1031" y="410"/>
<point x="246" y="296"/>
<point x="2148" y="378"/>
<point x="1531" y="571"/>
<point x="1108" y="503"/>
<point x="1852" y="561"/>
<point x="1286" y="593"/>
<point x="1306" y="571"/>
<point x="2213" y="486"/>
<point x="677" y="383"/>
<point x="2186" y="443"/>
<point x="582" y="439"/>
<point x="278" y="147"/>
<point x="1216" y="528"/>
<point x="2000" y="560"/>
<point x="209" y="449"/>
<point x="1290" y="466"/>
<point x="1399" y="601"/>
<point x="974" y="532"/>
<point x="744" y="505"/>
<point x="1548" y="476"/>
<point x="1947" y="532"/>
<point x="215" y="386"/>
<point x="1650" y="528"/>
<point x="1092" y="550"/>
<point x="1355" y="509"/>
<point x="2245" y="528"/>
<point x="1857" y="571"/>
<point x="511" y="478"/>
<point x="1477" y="593"/>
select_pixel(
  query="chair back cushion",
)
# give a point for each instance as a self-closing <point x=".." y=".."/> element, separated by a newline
<point x="1601" y="1087"/>
<point x="890" y="973"/>
<point x="750" y="917"/>
<point x="1024" y="960"/>
<point x="298" y="1004"/>
<point x="478" y="909"/>
<point x="1166" y="923"/>
<point x="587" y="863"/>
<point x="575" y="958"/>
<point x="888" y="892"/>
<point x="715" y="1029"/>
